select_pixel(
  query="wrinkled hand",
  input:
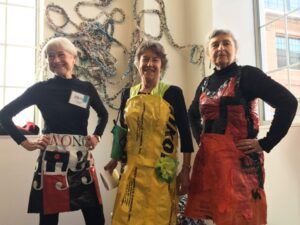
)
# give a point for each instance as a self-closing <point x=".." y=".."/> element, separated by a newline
<point x="183" y="181"/>
<point x="92" y="141"/>
<point x="249" y="146"/>
<point x="111" y="165"/>
<point x="41" y="143"/>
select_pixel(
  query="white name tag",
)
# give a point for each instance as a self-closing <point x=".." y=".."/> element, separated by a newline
<point x="79" y="99"/>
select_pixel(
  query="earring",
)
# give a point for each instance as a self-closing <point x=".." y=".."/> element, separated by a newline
<point x="209" y="64"/>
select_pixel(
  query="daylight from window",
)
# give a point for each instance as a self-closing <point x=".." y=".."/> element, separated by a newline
<point x="279" y="30"/>
<point x="18" y="33"/>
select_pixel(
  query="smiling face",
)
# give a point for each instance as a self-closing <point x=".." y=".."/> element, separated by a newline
<point x="61" y="62"/>
<point x="149" y="67"/>
<point x="222" y="51"/>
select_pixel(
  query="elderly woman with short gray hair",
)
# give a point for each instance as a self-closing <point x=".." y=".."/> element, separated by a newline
<point x="227" y="183"/>
<point x="65" y="176"/>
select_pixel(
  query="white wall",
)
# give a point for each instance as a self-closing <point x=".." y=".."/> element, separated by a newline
<point x="189" y="22"/>
<point x="198" y="25"/>
<point x="16" y="172"/>
<point x="237" y="16"/>
<point x="283" y="179"/>
<point x="176" y="22"/>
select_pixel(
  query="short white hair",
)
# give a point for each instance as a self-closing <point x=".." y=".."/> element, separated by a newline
<point x="60" y="43"/>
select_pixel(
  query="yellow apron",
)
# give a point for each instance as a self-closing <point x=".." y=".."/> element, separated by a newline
<point x="142" y="198"/>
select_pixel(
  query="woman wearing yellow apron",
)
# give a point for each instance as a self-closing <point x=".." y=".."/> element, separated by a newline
<point x="153" y="113"/>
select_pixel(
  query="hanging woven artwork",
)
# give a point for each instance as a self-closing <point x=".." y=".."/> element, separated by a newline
<point x="94" y="38"/>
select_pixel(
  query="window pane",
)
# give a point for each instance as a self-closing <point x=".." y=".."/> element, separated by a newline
<point x="293" y="21"/>
<point x="20" y="66"/>
<point x="22" y="2"/>
<point x="269" y="41"/>
<point x="2" y="23"/>
<point x="281" y="51"/>
<point x="293" y="4"/>
<point x="20" y="31"/>
<point x="25" y="115"/>
<point x="277" y="5"/>
<point x="294" y="51"/>
<point x="1" y="66"/>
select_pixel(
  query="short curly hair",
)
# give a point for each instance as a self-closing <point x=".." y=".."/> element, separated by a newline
<point x="155" y="47"/>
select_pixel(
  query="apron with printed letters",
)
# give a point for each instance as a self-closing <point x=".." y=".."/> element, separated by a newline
<point x="142" y="198"/>
<point x="65" y="177"/>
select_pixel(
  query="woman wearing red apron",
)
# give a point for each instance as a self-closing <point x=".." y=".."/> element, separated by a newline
<point x="227" y="184"/>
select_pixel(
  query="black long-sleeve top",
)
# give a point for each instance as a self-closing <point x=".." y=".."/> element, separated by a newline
<point x="52" y="98"/>
<point x="253" y="84"/>
<point x="175" y="98"/>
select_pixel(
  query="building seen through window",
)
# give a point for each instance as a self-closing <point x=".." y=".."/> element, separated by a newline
<point x="294" y="51"/>
<point x="279" y="35"/>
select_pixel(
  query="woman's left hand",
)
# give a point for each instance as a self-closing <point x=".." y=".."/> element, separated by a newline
<point x="92" y="141"/>
<point x="183" y="181"/>
<point x="249" y="146"/>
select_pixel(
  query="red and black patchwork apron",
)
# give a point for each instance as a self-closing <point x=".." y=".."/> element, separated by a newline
<point x="65" y="177"/>
<point x="226" y="184"/>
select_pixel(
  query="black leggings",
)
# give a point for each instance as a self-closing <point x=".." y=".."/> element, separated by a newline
<point x="92" y="216"/>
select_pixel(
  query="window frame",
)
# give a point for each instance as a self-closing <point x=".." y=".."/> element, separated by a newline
<point x="37" y="7"/>
<point x="259" y="54"/>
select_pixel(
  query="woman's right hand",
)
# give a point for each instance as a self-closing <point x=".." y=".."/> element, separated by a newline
<point x="41" y="143"/>
<point x="111" y="165"/>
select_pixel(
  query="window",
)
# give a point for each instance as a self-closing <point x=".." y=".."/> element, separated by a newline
<point x="294" y="51"/>
<point x="278" y="28"/>
<point x="274" y="4"/>
<point x="281" y="51"/>
<point x="18" y="41"/>
<point x="280" y="4"/>
<point x="293" y="4"/>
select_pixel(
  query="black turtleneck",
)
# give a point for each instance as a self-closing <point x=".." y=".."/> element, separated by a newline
<point x="52" y="99"/>
<point x="254" y="84"/>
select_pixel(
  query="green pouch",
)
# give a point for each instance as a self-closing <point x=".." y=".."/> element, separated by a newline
<point x="119" y="141"/>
